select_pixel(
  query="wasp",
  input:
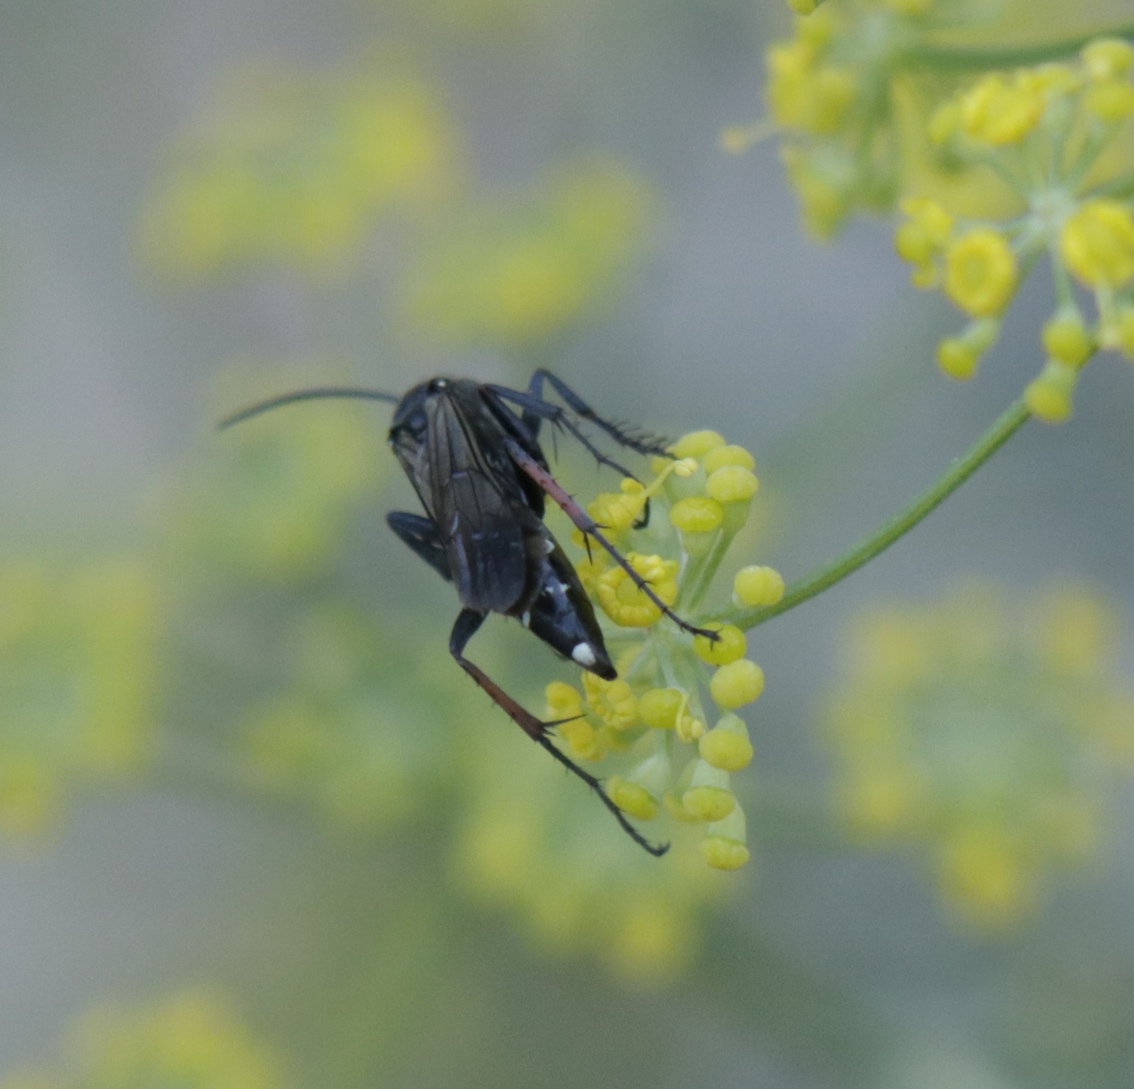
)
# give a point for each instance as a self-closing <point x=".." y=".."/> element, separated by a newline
<point x="471" y="451"/>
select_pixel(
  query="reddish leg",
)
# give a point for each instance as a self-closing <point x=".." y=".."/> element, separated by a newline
<point x="466" y="626"/>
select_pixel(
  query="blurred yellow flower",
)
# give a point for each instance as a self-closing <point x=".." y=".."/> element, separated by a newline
<point x="299" y="168"/>
<point x="532" y="266"/>
<point x="273" y="498"/>
<point x="79" y="681"/>
<point x="192" y="1040"/>
<point x="350" y="733"/>
<point x="984" y="732"/>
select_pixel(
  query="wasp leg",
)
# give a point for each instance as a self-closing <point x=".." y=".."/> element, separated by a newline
<point x="642" y="443"/>
<point x="534" y="410"/>
<point x="423" y="537"/>
<point x="589" y="527"/>
<point x="464" y="629"/>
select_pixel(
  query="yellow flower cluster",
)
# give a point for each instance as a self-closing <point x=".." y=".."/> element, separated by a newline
<point x="519" y="272"/>
<point x="274" y="497"/>
<point x="299" y="170"/>
<point x="835" y="93"/>
<point x="1069" y="117"/>
<point x="79" y="669"/>
<point x="192" y="1040"/>
<point x="983" y="733"/>
<point x="654" y="718"/>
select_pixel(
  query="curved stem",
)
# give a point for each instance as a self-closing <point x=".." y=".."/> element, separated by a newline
<point x="962" y="58"/>
<point x="886" y="534"/>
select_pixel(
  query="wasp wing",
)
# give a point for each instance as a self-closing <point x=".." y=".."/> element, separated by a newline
<point x="470" y="488"/>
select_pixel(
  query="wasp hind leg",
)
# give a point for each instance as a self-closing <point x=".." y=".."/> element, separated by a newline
<point x="466" y="626"/>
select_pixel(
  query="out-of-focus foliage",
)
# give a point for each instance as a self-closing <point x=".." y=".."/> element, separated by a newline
<point x="988" y="734"/>
<point x="518" y="271"/>
<point x="271" y="502"/>
<point x="299" y="169"/>
<point x="80" y="681"/>
<point x="365" y="730"/>
<point x="193" y="1040"/>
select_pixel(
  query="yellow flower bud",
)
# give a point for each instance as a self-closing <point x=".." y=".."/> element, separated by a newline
<point x="999" y="112"/>
<point x="724" y="854"/>
<point x="708" y="797"/>
<point x="732" y="484"/>
<point x="720" y="456"/>
<point x="757" y="585"/>
<point x="1097" y="242"/>
<point x="1048" y="396"/>
<point x="581" y="738"/>
<point x="1107" y="58"/>
<point x="632" y="798"/>
<point x="980" y="272"/>
<point x="957" y="358"/>
<point x="736" y="684"/>
<point x="621" y="599"/>
<point x="696" y="444"/>
<point x="924" y="234"/>
<point x="726" y="745"/>
<point x="1111" y="100"/>
<point x="708" y="803"/>
<point x="612" y="701"/>
<point x="725" y="844"/>
<point x="658" y="707"/>
<point x="1066" y="338"/>
<point x="616" y="511"/>
<point x="696" y="514"/>
<point x="729" y="645"/>
<point x="563" y="700"/>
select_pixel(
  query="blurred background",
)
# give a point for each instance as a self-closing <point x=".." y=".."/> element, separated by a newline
<point x="255" y="827"/>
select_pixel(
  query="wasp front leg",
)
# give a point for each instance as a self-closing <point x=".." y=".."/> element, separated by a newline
<point x="466" y="626"/>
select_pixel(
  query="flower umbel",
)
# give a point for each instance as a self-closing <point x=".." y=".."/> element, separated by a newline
<point x="1048" y="134"/>
<point x="670" y="719"/>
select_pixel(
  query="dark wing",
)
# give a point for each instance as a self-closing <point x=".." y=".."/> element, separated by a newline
<point x="470" y="487"/>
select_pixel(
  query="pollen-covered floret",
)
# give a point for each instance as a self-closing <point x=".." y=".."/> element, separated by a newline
<point x="985" y="733"/>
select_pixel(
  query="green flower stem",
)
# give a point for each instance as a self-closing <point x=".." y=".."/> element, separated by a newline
<point x="886" y="534"/>
<point x="694" y="586"/>
<point x="959" y="58"/>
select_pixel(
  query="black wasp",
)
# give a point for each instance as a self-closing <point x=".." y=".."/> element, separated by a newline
<point x="472" y="454"/>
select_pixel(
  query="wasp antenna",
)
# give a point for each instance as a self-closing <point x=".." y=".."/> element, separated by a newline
<point x="321" y="393"/>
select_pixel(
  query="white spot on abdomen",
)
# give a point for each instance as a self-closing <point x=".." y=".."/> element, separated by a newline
<point x="584" y="655"/>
